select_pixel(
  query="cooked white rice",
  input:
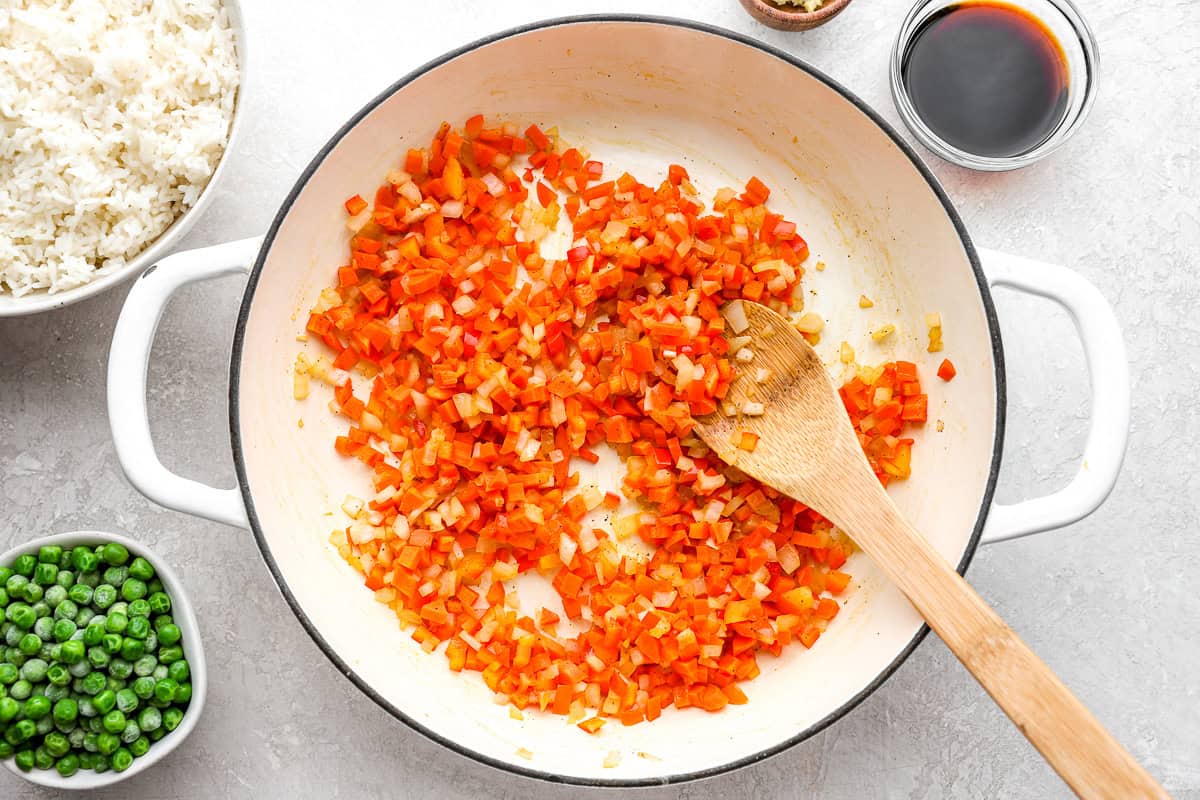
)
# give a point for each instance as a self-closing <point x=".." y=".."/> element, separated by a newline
<point x="113" y="116"/>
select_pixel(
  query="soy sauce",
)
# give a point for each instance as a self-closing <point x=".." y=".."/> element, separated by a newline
<point x="987" y="78"/>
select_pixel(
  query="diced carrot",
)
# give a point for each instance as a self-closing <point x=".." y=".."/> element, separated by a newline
<point x="946" y="370"/>
<point x="486" y="372"/>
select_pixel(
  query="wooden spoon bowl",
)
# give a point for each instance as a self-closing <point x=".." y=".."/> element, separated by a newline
<point x="793" y="18"/>
<point x="807" y="449"/>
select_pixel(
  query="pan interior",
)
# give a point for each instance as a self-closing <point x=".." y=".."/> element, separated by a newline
<point x="639" y="96"/>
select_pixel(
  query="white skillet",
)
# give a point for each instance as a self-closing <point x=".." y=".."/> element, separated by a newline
<point x="640" y="93"/>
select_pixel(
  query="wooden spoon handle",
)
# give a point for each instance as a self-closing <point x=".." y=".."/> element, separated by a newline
<point x="1088" y="758"/>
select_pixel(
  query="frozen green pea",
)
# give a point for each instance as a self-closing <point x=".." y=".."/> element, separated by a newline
<point x="65" y="578"/>
<point x="36" y="707"/>
<point x="150" y="719"/>
<point x="30" y="644"/>
<point x="145" y="665"/>
<point x="115" y="576"/>
<point x="80" y="668"/>
<point x="8" y="674"/>
<point x="24" y="760"/>
<point x="104" y="596"/>
<point x="21" y="615"/>
<point x="49" y="554"/>
<point x="45" y="574"/>
<point x="179" y="671"/>
<point x="132" y="649"/>
<point x="34" y="670"/>
<point x="66" y="710"/>
<point x="42" y="759"/>
<point x="183" y="695"/>
<point x="120" y="668"/>
<point x="67" y="609"/>
<point x="169" y="634"/>
<point x="80" y="594"/>
<point x="140" y="568"/>
<point x="94" y="633"/>
<point x="88" y="579"/>
<point x="164" y="690"/>
<point x="139" y="608"/>
<point x="64" y="629"/>
<point x="45" y="725"/>
<point x="133" y="589"/>
<point x="24" y="565"/>
<point x="72" y="651"/>
<point x="138" y="628"/>
<point x="131" y="732"/>
<point x="9" y="709"/>
<point x="56" y="744"/>
<point x="107" y="743"/>
<point x="68" y="765"/>
<point x="105" y="701"/>
<point x="57" y="675"/>
<point x="160" y="602"/>
<point x="94" y="683"/>
<point x="121" y="760"/>
<point x="160" y="672"/>
<point x="15" y="585"/>
<point x="55" y="595"/>
<point x="114" y="554"/>
<point x="114" y="721"/>
<point x="44" y="628"/>
<point x="88" y="741"/>
<point x="98" y="657"/>
<point x="86" y="709"/>
<point x="127" y="701"/>
<point x="143" y="687"/>
<point x="21" y="689"/>
<point x="83" y="559"/>
<point x="139" y="747"/>
<point x="55" y="693"/>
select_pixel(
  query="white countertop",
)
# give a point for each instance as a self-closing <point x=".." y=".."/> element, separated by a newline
<point x="1111" y="603"/>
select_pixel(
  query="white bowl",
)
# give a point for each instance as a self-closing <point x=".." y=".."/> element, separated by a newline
<point x="41" y="300"/>
<point x="181" y="610"/>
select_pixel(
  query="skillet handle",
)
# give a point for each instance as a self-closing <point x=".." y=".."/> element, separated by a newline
<point x="127" y="363"/>
<point x="1108" y="368"/>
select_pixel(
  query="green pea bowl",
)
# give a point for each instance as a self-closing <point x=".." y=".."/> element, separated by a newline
<point x="185" y="619"/>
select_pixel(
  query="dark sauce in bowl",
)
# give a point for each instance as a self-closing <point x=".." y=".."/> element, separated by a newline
<point x="987" y="78"/>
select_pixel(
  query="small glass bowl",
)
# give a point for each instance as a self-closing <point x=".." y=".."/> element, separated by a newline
<point x="1079" y="46"/>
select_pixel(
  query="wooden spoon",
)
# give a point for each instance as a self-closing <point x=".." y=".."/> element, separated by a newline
<point x="807" y="449"/>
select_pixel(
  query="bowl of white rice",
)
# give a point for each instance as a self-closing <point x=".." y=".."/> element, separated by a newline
<point x="115" y="119"/>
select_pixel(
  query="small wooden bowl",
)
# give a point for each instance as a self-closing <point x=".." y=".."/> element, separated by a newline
<point x="790" y="18"/>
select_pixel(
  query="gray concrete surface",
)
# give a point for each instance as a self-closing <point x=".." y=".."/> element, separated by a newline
<point x="1111" y="603"/>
